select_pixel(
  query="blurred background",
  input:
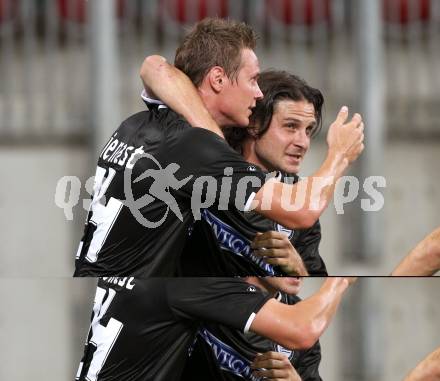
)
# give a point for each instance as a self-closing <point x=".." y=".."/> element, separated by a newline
<point x="69" y="74"/>
<point x="383" y="328"/>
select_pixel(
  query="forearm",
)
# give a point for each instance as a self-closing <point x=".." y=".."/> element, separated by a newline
<point x="316" y="313"/>
<point x="421" y="374"/>
<point x="427" y="370"/>
<point x="321" y="307"/>
<point x="176" y="90"/>
<point x="300" y="205"/>
<point x="300" y="326"/>
<point x="423" y="260"/>
<point x="414" y="264"/>
<point x="322" y="183"/>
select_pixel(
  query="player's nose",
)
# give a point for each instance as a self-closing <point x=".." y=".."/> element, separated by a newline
<point x="258" y="93"/>
<point x="302" y="140"/>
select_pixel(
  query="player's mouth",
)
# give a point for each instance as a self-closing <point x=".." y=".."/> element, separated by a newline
<point x="295" y="157"/>
<point x="293" y="281"/>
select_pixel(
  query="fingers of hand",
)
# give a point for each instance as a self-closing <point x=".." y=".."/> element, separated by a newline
<point x="356" y="132"/>
<point x="268" y="235"/>
<point x="356" y="120"/>
<point x="342" y="115"/>
<point x="273" y="374"/>
<point x="282" y="262"/>
<point x="359" y="145"/>
<point x="270" y="355"/>
<point x="269" y="363"/>
<point x="362" y="138"/>
<point x="271" y="242"/>
<point x="357" y="138"/>
<point x="272" y="365"/>
<point x="272" y="253"/>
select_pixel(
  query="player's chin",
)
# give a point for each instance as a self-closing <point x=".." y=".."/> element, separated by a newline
<point x="243" y="121"/>
<point x="290" y="285"/>
<point x="291" y="290"/>
<point x="289" y="167"/>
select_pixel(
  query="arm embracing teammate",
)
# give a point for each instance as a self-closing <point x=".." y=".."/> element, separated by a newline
<point x="142" y="329"/>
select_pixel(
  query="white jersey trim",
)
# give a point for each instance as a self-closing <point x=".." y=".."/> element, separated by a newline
<point x="247" y="206"/>
<point x="78" y="252"/>
<point x="78" y="373"/>
<point x="249" y="322"/>
<point x="147" y="98"/>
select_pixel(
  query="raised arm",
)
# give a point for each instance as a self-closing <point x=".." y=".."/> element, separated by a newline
<point x="174" y="88"/>
<point x="300" y="326"/>
<point x="309" y="197"/>
<point x="427" y="370"/>
<point x="294" y="206"/>
<point x="424" y="259"/>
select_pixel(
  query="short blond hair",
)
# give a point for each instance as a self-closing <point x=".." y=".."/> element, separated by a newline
<point x="214" y="42"/>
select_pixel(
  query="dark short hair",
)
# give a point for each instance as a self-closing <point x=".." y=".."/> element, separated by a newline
<point x="214" y="42"/>
<point x="276" y="85"/>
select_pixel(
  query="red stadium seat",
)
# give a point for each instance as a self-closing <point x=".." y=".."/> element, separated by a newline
<point x="190" y="11"/>
<point x="284" y="11"/>
<point x="399" y="11"/>
<point x="8" y="9"/>
<point x="79" y="9"/>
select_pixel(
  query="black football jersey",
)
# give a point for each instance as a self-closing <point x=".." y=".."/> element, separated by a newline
<point x="226" y="235"/>
<point x="223" y="354"/>
<point x="153" y="176"/>
<point x="142" y="329"/>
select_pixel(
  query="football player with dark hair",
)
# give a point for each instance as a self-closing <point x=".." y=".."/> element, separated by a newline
<point x="224" y="354"/>
<point x="277" y="139"/>
<point x="142" y="329"/>
<point x="131" y="231"/>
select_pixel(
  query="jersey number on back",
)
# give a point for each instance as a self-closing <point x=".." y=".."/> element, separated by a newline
<point x="103" y="338"/>
<point x="102" y="216"/>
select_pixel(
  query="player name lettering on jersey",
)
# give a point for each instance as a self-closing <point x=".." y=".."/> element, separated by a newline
<point x="126" y="282"/>
<point x="228" y="358"/>
<point x="117" y="152"/>
<point x="231" y="240"/>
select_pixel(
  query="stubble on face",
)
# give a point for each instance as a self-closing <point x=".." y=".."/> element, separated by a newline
<point x="287" y="139"/>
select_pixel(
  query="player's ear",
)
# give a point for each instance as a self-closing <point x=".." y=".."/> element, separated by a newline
<point x="217" y="78"/>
